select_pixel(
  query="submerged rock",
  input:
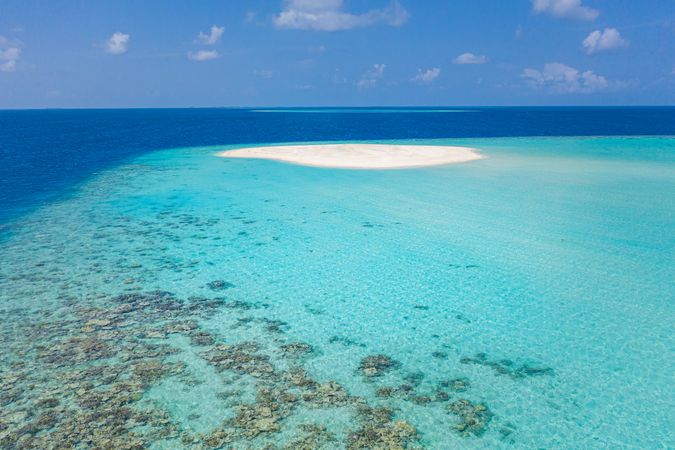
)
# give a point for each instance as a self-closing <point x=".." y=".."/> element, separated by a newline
<point x="219" y="285"/>
<point x="202" y="339"/>
<point x="241" y="358"/>
<point x="296" y="348"/>
<point x="529" y="371"/>
<point x="312" y="437"/>
<point x="328" y="394"/>
<point x="506" y="367"/>
<point x="457" y="385"/>
<point x="218" y="438"/>
<point x="473" y="417"/>
<point x="377" y="365"/>
<point x="256" y="419"/>
<point x="379" y="431"/>
<point x="345" y="341"/>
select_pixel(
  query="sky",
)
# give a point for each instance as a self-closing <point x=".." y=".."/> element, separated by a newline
<point x="210" y="53"/>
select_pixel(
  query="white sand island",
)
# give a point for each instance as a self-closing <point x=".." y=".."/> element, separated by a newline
<point x="360" y="156"/>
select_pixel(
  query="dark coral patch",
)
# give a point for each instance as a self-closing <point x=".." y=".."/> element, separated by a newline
<point x="377" y="365"/>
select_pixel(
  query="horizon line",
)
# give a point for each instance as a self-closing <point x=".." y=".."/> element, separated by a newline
<point x="332" y="107"/>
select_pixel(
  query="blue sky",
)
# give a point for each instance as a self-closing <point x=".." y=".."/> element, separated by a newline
<point x="156" y="53"/>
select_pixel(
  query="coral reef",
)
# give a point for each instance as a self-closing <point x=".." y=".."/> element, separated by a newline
<point x="473" y="417"/>
<point x="507" y="367"/>
<point x="219" y="285"/>
<point x="380" y="431"/>
<point x="377" y="365"/>
<point x="80" y="376"/>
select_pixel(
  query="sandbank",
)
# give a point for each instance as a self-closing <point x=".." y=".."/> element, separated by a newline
<point x="360" y="156"/>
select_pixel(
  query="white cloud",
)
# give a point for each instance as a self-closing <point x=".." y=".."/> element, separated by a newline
<point x="607" y="39"/>
<point x="213" y="37"/>
<point x="203" y="55"/>
<point x="328" y="15"/>
<point x="117" y="44"/>
<point x="8" y="66"/>
<point x="564" y="9"/>
<point x="426" y="76"/>
<point x="317" y="50"/>
<point x="470" y="58"/>
<point x="371" y="77"/>
<point x="560" y="78"/>
<point x="9" y="55"/>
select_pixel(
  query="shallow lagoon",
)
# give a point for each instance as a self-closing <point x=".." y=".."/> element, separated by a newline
<point x="525" y="300"/>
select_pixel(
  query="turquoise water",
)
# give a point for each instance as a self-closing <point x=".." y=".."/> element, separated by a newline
<point x="537" y="284"/>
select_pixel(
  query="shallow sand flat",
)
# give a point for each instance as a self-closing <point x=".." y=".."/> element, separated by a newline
<point x="360" y="156"/>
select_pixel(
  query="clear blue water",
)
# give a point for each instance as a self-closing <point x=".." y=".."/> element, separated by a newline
<point x="364" y="110"/>
<point x="521" y="301"/>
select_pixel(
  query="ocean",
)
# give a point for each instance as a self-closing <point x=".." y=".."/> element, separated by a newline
<point x="154" y="295"/>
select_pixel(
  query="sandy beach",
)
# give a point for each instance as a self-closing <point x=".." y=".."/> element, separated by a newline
<point x="360" y="156"/>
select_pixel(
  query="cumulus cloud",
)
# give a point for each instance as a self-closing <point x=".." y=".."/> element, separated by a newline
<point x="212" y="37"/>
<point x="470" y="58"/>
<point x="560" y="78"/>
<point x="426" y="76"/>
<point x="600" y="41"/>
<point x="565" y="9"/>
<point x="9" y="55"/>
<point x="117" y="44"/>
<point x="203" y="55"/>
<point x="371" y="77"/>
<point x="328" y="15"/>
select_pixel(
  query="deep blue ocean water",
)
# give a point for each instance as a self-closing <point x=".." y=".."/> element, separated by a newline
<point x="45" y="152"/>
<point x="154" y="295"/>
